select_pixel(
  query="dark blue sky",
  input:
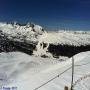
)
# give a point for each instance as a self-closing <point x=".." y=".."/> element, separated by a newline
<point x="69" y="14"/>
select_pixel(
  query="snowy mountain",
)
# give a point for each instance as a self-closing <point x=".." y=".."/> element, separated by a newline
<point x="20" y="69"/>
<point x="18" y="32"/>
<point x="33" y="39"/>
<point x="17" y="37"/>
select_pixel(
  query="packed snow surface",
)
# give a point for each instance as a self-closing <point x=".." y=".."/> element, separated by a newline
<point x="28" y="72"/>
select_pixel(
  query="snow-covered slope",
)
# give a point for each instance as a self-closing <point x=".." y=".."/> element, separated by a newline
<point x="75" y="38"/>
<point x="27" y="73"/>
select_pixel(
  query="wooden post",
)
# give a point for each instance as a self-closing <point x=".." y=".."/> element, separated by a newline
<point x="65" y="88"/>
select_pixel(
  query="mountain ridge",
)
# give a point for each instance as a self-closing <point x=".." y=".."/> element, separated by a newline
<point x="33" y="39"/>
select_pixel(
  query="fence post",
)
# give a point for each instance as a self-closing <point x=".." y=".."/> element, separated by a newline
<point x="72" y="73"/>
<point x="65" y="88"/>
